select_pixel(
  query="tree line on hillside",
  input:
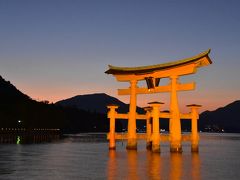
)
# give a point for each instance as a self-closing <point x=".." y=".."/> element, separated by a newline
<point x="18" y="110"/>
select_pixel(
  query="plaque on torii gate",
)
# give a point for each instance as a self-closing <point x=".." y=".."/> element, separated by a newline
<point x="152" y="75"/>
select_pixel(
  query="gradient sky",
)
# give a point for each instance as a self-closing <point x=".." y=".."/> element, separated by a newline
<point x="53" y="50"/>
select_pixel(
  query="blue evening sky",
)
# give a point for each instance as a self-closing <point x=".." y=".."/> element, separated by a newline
<point x="55" y="49"/>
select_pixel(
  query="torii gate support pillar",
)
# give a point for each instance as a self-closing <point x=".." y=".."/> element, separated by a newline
<point x="148" y="127"/>
<point x="112" y="117"/>
<point x="156" y="132"/>
<point x="194" y="125"/>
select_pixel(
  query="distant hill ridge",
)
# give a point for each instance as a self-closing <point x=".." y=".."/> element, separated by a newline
<point x="9" y="92"/>
<point x="95" y="103"/>
<point x="225" y="119"/>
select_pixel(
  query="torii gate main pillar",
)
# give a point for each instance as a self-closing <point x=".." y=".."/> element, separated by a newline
<point x="175" y="124"/>
<point x="132" y="136"/>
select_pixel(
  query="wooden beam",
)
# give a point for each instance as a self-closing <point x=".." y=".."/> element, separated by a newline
<point x="163" y="137"/>
<point x="164" y="73"/>
<point x="141" y="116"/>
<point x="159" y="89"/>
<point x="144" y="117"/>
<point x="164" y="115"/>
<point x="126" y="116"/>
<point x="122" y="116"/>
<point x="145" y="90"/>
<point x="186" y="116"/>
<point x="186" y="86"/>
<point x="124" y="136"/>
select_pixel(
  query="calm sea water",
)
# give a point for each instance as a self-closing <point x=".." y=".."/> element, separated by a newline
<point x="87" y="157"/>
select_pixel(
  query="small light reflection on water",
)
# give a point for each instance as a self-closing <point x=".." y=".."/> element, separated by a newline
<point x="18" y="140"/>
<point x="28" y="139"/>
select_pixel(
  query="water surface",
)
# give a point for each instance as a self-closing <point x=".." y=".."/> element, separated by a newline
<point x="88" y="157"/>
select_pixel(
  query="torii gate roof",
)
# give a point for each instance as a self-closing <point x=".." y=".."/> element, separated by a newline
<point x="201" y="59"/>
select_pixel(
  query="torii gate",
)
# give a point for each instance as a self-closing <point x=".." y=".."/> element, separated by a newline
<point x="152" y="75"/>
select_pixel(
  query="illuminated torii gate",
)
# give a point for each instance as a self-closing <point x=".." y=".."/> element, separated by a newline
<point x="152" y="75"/>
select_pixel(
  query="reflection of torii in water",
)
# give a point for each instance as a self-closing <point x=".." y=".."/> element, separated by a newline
<point x="152" y="75"/>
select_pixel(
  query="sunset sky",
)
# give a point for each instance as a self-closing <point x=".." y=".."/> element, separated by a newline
<point x="56" y="49"/>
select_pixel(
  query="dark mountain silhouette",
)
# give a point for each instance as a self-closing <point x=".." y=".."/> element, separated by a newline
<point x="10" y="91"/>
<point x="225" y="118"/>
<point x="15" y="106"/>
<point x="96" y="103"/>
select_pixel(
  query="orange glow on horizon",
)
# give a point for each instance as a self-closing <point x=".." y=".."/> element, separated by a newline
<point x="53" y="96"/>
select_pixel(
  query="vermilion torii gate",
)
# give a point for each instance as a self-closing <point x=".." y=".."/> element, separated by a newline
<point x="152" y="75"/>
